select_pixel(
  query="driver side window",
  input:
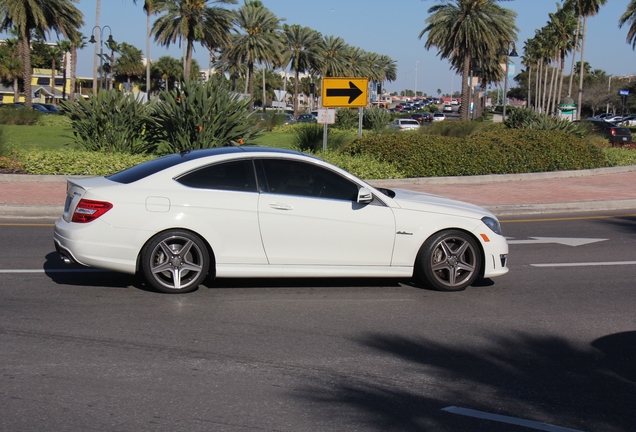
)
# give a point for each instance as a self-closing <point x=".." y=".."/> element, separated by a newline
<point x="287" y="177"/>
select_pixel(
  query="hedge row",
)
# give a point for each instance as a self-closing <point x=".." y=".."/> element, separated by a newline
<point x="501" y="151"/>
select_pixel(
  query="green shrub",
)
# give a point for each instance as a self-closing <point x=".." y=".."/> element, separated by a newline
<point x="620" y="156"/>
<point x="77" y="162"/>
<point x="200" y="115"/>
<point x="53" y="120"/>
<point x="363" y="166"/>
<point x="491" y="151"/>
<point x="375" y="119"/>
<point x="459" y="129"/>
<point x="309" y="137"/>
<point x="109" y="122"/>
<point x="346" y="118"/>
<point x="20" y="116"/>
<point x="525" y="118"/>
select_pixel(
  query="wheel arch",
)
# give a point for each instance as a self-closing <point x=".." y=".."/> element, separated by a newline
<point x="482" y="254"/>
<point x="212" y="264"/>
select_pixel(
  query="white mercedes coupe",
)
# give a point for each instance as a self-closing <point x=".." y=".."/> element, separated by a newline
<point x="236" y="212"/>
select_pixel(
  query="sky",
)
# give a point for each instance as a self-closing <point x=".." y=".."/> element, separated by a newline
<point x="389" y="27"/>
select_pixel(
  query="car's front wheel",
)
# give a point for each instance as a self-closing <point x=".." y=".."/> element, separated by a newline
<point x="449" y="261"/>
<point x="175" y="261"/>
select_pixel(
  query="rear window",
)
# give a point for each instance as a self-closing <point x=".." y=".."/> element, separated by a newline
<point x="413" y="122"/>
<point x="153" y="166"/>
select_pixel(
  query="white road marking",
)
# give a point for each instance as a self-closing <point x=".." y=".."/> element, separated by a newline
<point x="24" y="271"/>
<point x="585" y="264"/>
<point x="506" y="419"/>
<point x="558" y="240"/>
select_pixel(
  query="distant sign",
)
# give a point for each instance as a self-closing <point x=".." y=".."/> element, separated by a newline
<point x="623" y="92"/>
<point x="326" y="116"/>
<point x="345" y="92"/>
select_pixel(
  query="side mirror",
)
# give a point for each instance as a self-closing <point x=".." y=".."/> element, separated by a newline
<point x="364" y="196"/>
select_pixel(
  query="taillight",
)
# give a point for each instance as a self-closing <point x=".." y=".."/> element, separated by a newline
<point x="89" y="210"/>
<point x="613" y="131"/>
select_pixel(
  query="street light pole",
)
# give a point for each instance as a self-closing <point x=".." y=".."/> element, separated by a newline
<point x="513" y="53"/>
<point x="416" y="77"/>
<point x="101" y="51"/>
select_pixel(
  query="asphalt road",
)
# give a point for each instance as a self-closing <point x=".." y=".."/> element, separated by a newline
<point x="550" y="346"/>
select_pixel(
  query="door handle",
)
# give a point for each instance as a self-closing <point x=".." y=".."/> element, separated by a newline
<point x="279" y="206"/>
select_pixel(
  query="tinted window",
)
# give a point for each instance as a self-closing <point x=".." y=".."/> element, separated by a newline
<point x="232" y="176"/>
<point x="298" y="178"/>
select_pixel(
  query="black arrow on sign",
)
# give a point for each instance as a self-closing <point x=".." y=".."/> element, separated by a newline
<point x="352" y="92"/>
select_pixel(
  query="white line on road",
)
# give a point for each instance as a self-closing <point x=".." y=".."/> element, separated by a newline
<point x="585" y="264"/>
<point x="506" y="419"/>
<point x="24" y="271"/>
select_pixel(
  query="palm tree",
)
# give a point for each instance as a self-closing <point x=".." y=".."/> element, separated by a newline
<point x="43" y="16"/>
<point x="257" y="41"/>
<point x="65" y="46"/>
<point x="169" y="70"/>
<point x="465" y="29"/>
<point x="191" y="21"/>
<point x="78" y="41"/>
<point x="584" y="9"/>
<point x="11" y="65"/>
<point x="303" y="45"/>
<point x="129" y="62"/>
<point x="334" y="58"/>
<point x="629" y="17"/>
<point x="149" y="9"/>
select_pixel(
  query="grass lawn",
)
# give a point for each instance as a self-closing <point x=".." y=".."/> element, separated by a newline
<point x="37" y="137"/>
<point x="275" y="139"/>
<point x="57" y="137"/>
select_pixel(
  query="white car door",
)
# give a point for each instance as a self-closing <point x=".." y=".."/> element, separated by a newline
<point x="310" y="217"/>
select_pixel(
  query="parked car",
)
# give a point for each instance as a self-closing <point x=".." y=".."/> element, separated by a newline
<point x="41" y="108"/>
<point x="289" y="119"/>
<point x="422" y="117"/>
<point x="448" y="108"/>
<point x="53" y="109"/>
<point x="405" y="124"/>
<point x="438" y="116"/>
<point x="237" y="212"/>
<point x="614" y="134"/>
<point x="306" y="118"/>
<point x="629" y="120"/>
<point x="613" y="118"/>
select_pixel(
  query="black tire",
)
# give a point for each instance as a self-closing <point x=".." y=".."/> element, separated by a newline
<point x="449" y="261"/>
<point x="175" y="261"/>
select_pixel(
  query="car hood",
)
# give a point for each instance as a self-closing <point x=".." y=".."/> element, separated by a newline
<point x="421" y="201"/>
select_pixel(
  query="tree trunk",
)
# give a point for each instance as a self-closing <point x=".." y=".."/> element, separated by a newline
<point x="148" y="56"/>
<point x="25" y="49"/>
<point x="465" y="109"/>
<point x="582" y="71"/>
<point x="576" y="43"/>
<point x="250" y="84"/>
<point x="187" y="61"/>
<point x="529" y="87"/>
<point x="73" y="70"/>
<point x="264" y="90"/>
<point x="296" y="76"/>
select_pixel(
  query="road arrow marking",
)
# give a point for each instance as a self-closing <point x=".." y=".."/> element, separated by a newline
<point x="558" y="240"/>
<point x="352" y="92"/>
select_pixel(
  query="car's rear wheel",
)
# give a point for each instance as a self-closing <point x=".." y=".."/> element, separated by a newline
<point x="449" y="261"/>
<point x="175" y="261"/>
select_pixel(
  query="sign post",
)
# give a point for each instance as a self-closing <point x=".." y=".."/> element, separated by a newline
<point x="325" y="117"/>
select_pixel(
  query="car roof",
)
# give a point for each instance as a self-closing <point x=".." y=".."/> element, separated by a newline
<point x="153" y="166"/>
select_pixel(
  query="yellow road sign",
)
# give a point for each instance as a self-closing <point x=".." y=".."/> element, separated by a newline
<point x="345" y="92"/>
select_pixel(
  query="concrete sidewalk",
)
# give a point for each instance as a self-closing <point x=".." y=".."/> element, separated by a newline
<point x="29" y="196"/>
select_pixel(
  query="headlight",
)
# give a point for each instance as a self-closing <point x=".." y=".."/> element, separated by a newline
<point x="492" y="223"/>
